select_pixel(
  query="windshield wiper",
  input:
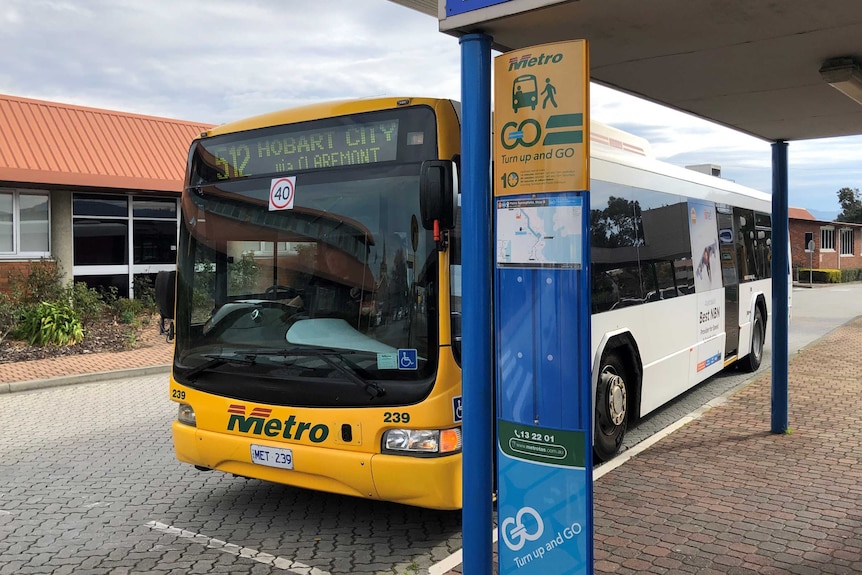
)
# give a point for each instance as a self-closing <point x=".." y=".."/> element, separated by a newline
<point x="215" y="360"/>
<point x="329" y="356"/>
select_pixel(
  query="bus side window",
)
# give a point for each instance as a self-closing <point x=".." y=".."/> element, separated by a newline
<point x="605" y="291"/>
<point x="665" y="280"/>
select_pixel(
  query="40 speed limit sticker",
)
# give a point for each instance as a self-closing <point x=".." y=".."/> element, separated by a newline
<point x="281" y="193"/>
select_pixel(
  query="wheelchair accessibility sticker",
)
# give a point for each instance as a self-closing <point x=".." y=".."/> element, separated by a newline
<point x="407" y="359"/>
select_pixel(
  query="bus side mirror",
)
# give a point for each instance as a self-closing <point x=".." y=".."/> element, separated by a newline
<point x="166" y="283"/>
<point x="438" y="187"/>
<point x="166" y="295"/>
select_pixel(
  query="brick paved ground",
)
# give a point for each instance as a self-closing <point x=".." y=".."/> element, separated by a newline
<point x="725" y="495"/>
<point x="158" y="353"/>
<point x="720" y="495"/>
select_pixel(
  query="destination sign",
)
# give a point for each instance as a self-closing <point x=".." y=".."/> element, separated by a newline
<point x="274" y="153"/>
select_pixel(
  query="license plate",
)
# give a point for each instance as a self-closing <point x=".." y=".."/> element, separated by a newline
<point x="272" y="456"/>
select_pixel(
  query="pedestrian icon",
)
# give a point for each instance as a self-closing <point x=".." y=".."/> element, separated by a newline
<point x="549" y="92"/>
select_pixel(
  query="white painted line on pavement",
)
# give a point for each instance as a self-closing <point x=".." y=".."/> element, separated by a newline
<point x="253" y="554"/>
<point x="453" y="560"/>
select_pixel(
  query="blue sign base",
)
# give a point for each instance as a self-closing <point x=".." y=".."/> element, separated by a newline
<point x="544" y="396"/>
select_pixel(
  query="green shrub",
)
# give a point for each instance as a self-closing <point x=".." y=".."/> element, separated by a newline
<point x="86" y="301"/>
<point x="54" y="323"/>
<point x="126" y="310"/>
<point x="145" y="292"/>
<point x="43" y="283"/>
<point x="821" y="276"/>
<point x="10" y="313"/>
<point x="851" y="275"/>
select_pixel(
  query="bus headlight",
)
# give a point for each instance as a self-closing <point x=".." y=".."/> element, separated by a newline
<point x="186" y="415"/>
<point x="422" y="441"/>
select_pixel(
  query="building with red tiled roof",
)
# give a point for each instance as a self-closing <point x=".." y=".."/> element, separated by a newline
<point x="95" y="191"/>
<point x="799" y="214"/>
<point x="816" y="244"/>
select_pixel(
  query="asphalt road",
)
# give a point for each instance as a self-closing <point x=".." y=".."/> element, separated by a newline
<point x="89" y="485"/>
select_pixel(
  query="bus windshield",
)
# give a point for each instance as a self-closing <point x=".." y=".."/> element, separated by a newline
<point x="323" y="304"/>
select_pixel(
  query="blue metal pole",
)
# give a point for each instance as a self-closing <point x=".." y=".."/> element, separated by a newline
<point x="780" y="288"/>
<point x="477" y="304"/>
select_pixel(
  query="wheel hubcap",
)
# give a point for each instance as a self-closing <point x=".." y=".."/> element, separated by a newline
<point x="758" y="341"/>
<point x="616" y="404"/>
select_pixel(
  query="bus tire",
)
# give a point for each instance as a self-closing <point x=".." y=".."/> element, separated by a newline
<point x="612" y="408"/>
<point x="751" y="362"/>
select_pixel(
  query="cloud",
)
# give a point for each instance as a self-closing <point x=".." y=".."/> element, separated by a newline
<point x="217" y="60"/>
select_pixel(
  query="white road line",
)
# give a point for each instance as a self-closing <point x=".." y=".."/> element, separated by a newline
<point x="253" y="554"/>
<point x="453" y="560"/>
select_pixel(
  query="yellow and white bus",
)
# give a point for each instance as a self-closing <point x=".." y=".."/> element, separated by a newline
<point x="318" y="295"/>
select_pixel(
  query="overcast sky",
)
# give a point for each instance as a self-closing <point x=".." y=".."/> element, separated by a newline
<point x="214" y="61"/>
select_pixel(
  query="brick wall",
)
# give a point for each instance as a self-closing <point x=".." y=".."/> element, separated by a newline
<point x="21" y="268"/>
<point x="823" y="259"/>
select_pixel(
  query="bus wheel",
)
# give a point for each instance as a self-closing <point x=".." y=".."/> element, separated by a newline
<point x="612" y="412"/>
<point x="751" y="362"/>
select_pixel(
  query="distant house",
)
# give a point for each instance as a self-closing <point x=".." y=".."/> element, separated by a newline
<point x="823" y="245"/>
<point x="94" y="191"/>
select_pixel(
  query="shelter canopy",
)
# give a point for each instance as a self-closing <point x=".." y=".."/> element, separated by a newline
<point x="751" y="66"/>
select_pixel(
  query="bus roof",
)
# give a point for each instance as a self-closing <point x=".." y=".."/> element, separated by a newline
<point x="327" y="109"/>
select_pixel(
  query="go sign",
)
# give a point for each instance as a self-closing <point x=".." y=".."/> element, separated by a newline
<point x="281" y="193"/>
<point x="541" y="119"/>
<point x="527" y="133"/>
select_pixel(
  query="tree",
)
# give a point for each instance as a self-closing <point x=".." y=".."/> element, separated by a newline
<point x="851" y="205"/>
<point x="618" y="225"/>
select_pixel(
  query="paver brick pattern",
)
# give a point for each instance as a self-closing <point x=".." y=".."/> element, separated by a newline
<point x="154" y="355"/>
<point x="720" y="495"/>
<point x="725" y="495"/>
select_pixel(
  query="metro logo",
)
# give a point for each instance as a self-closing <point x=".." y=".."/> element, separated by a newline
<point x="259" y="423"/>
<point x="528" y="61"/>
<point x="256" y="412"/>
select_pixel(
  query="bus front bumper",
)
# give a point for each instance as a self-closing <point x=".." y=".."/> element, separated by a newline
<point x="424" y="482"/>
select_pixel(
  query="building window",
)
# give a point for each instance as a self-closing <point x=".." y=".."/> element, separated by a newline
<point x="155" y="231"/>
<point x="24" y="224"/>
<point x="827" y="239"/>
<point x="846" y="240"/>
<point x="809" y="241"/>
<point x="120" y="240"/>
<point x="100" y="230"/>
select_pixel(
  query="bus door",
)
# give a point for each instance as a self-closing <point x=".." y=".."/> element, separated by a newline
<point x="727" y="239"/>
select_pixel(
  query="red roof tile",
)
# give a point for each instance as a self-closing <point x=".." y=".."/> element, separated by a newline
<point x="799" y="214"/>
<point x="51" y="143"/>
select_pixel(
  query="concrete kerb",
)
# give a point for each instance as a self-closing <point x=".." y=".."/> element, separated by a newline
<point x="62" y="380"/>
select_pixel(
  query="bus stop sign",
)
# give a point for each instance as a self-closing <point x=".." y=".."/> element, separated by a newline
<point x="542" y="311"/>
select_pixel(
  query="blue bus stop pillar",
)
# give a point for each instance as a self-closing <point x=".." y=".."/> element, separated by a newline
<point x="780" y="294"/>
<point x="477" y="304"/>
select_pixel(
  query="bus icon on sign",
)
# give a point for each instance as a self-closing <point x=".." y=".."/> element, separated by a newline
<point x="524" y="92"/>
<point x="407" y="359"/>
